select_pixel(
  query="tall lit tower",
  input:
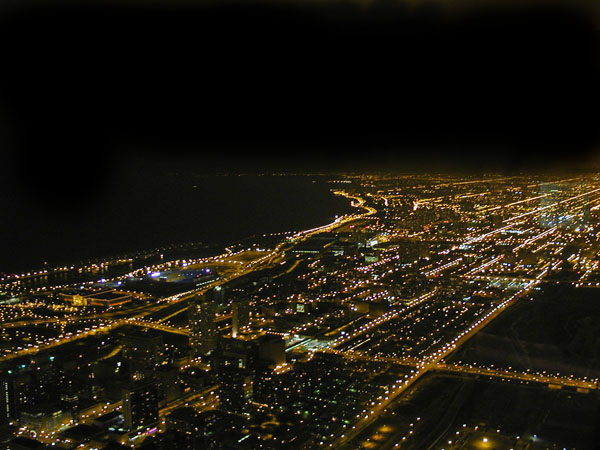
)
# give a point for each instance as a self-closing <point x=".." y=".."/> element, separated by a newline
<point x="240" y="316"/>
<point x="203" y="329"/>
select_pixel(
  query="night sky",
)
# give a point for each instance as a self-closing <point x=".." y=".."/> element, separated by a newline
<point x="287" y="87"/>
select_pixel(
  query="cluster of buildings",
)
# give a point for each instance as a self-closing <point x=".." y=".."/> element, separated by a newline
<point x="295" y="352"/>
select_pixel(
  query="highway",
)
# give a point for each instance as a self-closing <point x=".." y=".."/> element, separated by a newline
<point x="206" y="396"/>
<point x="555" y="380"/>
<point x="521" y="376"/>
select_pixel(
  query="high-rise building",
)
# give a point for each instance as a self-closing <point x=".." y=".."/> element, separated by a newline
<point x="143" y="350"/>
<point x="269" y="382"/>
<point x="45" y="417"/>
<point x="270" y="386"/>
<point x="241" y="363"/>
<point x="234" y="362"/>
<point x="203" y="329"/>
<point x="240" y="316"/>
<point x="26" y="382"/>
<point x="140" y="405"/>
<point x="271" y="349"/>
<point x="7" y="400"/>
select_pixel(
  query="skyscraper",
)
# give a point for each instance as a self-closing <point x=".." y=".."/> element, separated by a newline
<point x="241" y="364"/>
<point x="140" y="405"/>
<point x="7" y="401"/>
<point x="271" y="349"/>
<point x="144" y="352"/>
<point x="269" y="384"/>
<point x="203" y="336"/>
<point x="240" y="316"/>
<point x="234" y="362"/>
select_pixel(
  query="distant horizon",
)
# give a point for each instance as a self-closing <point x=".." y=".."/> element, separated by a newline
<point x="105" y="218"/>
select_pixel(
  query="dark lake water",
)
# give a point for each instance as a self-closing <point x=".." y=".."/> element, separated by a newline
<point x="135" y="213"/>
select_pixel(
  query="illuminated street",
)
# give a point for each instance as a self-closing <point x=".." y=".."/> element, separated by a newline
<point x="391" y="292"/>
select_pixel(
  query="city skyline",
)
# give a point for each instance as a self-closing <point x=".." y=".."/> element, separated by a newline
<point x="376" y="330"/>
<point x="300" y="225"/>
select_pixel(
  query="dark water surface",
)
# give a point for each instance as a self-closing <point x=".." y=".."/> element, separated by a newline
<point x="140" y="212"/>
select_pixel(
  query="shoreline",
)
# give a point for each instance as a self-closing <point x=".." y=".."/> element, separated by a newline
<point x="216" y="248"/>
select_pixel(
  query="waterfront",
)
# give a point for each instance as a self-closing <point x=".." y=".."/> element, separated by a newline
<point x="141" y="214"/>
<point x="370" y="331"/>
